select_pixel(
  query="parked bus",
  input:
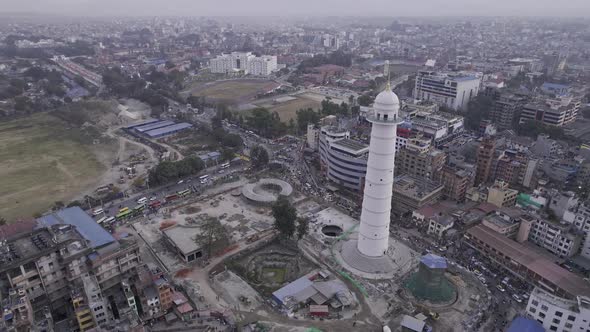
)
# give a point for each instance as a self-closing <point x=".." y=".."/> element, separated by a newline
<point x="124" y="214"/>
<point x="204" y="178"/>
<point x="109" y="220"/>
<point x="125" y="209"/>
<point x="170" y="198"/>
<point x="184" y="193"/>
<point x="155" y="204"/>
<point x="97" y="211"/>
<point x="101" y="220"/>
<point x="140" y="207"/>
<point x="224" y="166"/>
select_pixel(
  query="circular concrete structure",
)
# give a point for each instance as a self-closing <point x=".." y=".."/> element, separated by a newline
<point x="266" y="191"/>
<point x="332" y="230"/>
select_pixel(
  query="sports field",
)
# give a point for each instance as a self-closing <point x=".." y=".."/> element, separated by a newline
<point x="231" y="91"/>
<point x="288" y="110"/>
<point x="41" y="162"/>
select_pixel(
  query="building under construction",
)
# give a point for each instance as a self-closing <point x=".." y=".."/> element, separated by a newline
<point x="429" y="282"/>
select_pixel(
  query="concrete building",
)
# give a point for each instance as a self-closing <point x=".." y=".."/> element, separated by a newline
<point x="440" y="127"/>
<point x="438" y="225"/>
<point x="419" y="158"/>
<point x="453" y="90"/>
<point x="455" y="181"/>
<point x="557" y="313"/>
<point x="262" y="66"/>
<point x="66" y="245"/>
<point x="411" y="193"/>
<point x="375" y="216"/>
<point x="343" y="160"/>
<point x="526" y="263"/>
<point x="506" y="109"/>
<point x="501" y="195"/>
<point x="516" y="168"/>
<point x="560" y="238"/>
<point x="554" y="112"/>
<point x="505" y="221"/>
<point x="485" y="160"/>
<point x="244" y="62"/>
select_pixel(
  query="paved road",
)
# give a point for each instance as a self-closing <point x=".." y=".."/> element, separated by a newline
<point x="192" y="182"/>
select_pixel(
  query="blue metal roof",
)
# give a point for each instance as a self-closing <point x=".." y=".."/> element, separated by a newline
<point x="292" y="288"/>
<point x="434" y="261"/>
<point x="521" y="324"/>
<point x="143" y="123"/>
<point x="85" y="225"/>
<point x="168" y="130"/>
<point x="154" y="125"/>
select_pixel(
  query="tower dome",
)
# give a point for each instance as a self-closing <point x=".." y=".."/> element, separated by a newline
<point x="386" y="106"/>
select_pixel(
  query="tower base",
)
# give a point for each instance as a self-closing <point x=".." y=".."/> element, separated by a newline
<point x="381" y="267"/>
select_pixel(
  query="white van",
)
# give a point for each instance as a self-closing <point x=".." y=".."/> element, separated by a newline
<point x="109" y="220"/>
<point x="96" y="212"/>
<point x="142" y="200"/>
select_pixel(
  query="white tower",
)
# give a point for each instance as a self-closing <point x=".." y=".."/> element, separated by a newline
<point x="375" y="215"/>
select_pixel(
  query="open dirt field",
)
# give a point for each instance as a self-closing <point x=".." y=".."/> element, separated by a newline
<point x="231" y="91"/>
<point x="42" y="162"/>
<point x="288" y="110"/>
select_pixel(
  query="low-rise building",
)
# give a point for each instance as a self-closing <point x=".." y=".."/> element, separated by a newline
<point x="438" y="225"/>
<point x="411" y="193"/>
<point x="501" y="195"/>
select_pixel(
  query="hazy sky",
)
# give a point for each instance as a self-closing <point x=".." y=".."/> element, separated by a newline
<point x="303" y="7"/>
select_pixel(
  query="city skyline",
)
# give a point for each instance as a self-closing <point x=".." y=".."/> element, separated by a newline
<point x="428" y="8"/>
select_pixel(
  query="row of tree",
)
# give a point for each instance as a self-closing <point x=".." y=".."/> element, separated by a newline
<point x="169" y="171"/>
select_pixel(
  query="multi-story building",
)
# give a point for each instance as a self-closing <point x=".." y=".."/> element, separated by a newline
<point x="344" y="161"/>
<point x="525" y="263"/>
<point x="244" y="62"/>
<point x="66" y="245"/>
<point x="438" y="225"/>
<point x="560" y="238"/>
<point x="411" y="193"/>
<point x="485" y="160"/>
<point x="262" y="66"/>
<point x="82" y="312"/>
<point x="516" y="168"/>
<point x="551" y="111"/>
<point x="453" y="90"/>
<point x="419" y="158"/>
<point x="456" y="181"/>
<point x="440" y="127"/>
<point x="501" y="195"/>
<point x="505" y="221"/>
<point x="558" y="313"/>
<point x="505" y="110"/>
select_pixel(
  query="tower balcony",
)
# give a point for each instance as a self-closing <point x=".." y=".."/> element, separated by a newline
<point x="385" y="119"/>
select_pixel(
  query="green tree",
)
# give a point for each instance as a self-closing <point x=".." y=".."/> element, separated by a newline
<point x="212" y="237"/>
<point x="285" y="217"/>
<point x="478" y="109"/>
<point x="138" y="182"/>
<point x="3" y="221"/>
<point x="227" y="154"/>
<point x="232" y="141"/>
<point x="365" y="100"/>
<point x="302" y="227"/>
<point x="259" y="157"/>
<point x="305" y="117"/>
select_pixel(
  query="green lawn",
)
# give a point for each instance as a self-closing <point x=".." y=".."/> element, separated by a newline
<point x="42" y="162"/>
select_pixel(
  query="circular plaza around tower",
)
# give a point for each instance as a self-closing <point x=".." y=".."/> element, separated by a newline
<point x="266" y="191"/>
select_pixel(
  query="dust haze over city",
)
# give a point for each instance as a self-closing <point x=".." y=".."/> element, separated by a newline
<point x="295" y="166"/>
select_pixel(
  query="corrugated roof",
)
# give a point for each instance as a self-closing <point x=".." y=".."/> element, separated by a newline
<point x="292" y="288"/>
<point x="434" y="261"/>
<point x="168" y="129"/>
<point x="85" y="225"/>
<point x="541" y="265"/>
<point x="154" y="125"/>
<point x="521" y="324"/>
<point x="412" y="323"/>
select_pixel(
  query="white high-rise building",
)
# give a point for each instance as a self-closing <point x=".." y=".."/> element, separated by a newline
<point x="243" y="61"/>
<point x="373" y="238"/>
<point x="262" y="66"/>
<point x="453" y="90"/>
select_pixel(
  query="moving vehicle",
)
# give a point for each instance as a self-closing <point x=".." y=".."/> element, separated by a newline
<point x="204" y="178"/>
<point x="517" y="298"/>
<point x="142" y="200"/>
<point x="97" y="211"/>
<point x="184" y="193"/>
<point x="500" y="288"/>
<point x="224" y="166"/>
<point x="124" y="214"/>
